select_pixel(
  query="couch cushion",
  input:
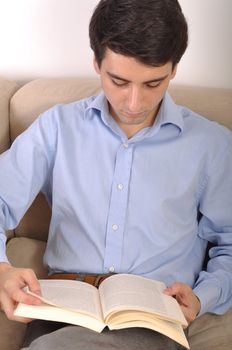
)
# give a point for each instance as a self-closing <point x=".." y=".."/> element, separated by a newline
<point x="35" y="223"/>
<point x="211" y="333"/>
<point x="28" y="253"/>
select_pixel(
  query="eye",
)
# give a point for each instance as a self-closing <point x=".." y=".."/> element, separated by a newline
<point x="118" y="82"/>
<point x="153" y="85"/>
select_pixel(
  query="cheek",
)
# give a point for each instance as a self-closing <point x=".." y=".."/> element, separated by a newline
<point x="156" y="96"/>
<point x="113" y="95"/>
<point x="113" y="99"/>
<point x="153" y="100"/>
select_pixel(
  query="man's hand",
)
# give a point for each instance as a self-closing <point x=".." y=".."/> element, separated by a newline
<point x="12" y="282"/>
<point x="189" y="302"/>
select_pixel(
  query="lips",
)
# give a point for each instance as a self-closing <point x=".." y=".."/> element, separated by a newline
<point x="133" y="115"/>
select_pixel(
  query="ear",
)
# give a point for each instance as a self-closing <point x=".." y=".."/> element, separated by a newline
<point x="174" y="72"/>
<point x="96" y="66"/>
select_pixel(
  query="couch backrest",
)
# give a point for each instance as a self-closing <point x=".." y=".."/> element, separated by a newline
<point x="37" y="96"/>
<point x="7" y="90"/>
<point x="213" y="103"/>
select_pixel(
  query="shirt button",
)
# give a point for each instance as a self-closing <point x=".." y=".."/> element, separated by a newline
<point x="125" y="145"/>
<point x="120" y="186"/>
<point x="115" y="227"/>
<point x="111" y="269"/>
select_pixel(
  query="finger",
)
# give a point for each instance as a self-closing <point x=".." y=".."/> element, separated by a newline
<point x="182" y="301"/>
<point x="168" y="291"/>
<point x="175" y="288"/>
<point x="18" y="295"/>
<point x="22" y="319"/>
<point x="32" y="281"/>
<point x="188" y="313"/>
<point x="15" y="290"/>
<point x="180" y="292"/>
<point x="8" y="307"/>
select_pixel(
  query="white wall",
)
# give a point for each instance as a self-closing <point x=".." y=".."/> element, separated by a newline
<point x="208" y="60"/>
<point x="49" y="38"/>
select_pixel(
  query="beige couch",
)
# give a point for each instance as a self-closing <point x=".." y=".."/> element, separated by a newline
<point x="19" y="106"/>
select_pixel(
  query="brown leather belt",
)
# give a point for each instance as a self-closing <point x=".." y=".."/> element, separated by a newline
<point x="94" y="280"/>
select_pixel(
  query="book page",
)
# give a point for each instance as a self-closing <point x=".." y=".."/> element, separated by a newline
<point x="71" y="295"/>
<point x="53" y="313"/>
<point x="130" y="292"/>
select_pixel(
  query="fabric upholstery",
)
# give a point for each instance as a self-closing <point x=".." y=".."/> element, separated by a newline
<point x="11" y="334"/>
<point x="208" y="334"/>
<point x="212" y="103"/>
<point x="28" y="253"/>
<point x="39" y="95"/>
<point x="7" y="89"/>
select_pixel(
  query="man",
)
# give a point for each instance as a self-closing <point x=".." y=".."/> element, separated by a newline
<point x="136" y="184"/>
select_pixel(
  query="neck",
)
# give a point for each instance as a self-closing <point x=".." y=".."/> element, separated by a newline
<point x="131" y="130"/>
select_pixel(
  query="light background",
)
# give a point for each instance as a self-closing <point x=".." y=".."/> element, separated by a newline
<point x="49" y="38"/>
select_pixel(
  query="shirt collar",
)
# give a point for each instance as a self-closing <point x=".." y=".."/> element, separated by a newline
<point x="169" y="112"/>
<point x="98" y="103"/>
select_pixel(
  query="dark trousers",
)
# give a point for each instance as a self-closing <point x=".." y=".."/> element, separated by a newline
<point x="46" y="335"/>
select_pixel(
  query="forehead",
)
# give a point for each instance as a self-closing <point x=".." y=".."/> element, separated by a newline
<point x="130" y="69"/>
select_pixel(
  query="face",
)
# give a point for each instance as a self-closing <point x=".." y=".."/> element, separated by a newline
<point x="133" y="90"/>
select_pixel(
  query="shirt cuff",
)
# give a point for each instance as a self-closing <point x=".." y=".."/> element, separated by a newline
<point x="208" y="294"/>
<point x="3" y="257"/>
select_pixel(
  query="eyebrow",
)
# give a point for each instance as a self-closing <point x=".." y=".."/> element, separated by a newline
<point x="112" y="75"/>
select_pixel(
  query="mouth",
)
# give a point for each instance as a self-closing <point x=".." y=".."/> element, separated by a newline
<point x="133" y="115"/>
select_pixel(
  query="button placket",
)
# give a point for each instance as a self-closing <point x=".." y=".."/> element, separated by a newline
<point x="115" y="227"/>
<point x="111" y="269"/>
<point x="118" y="208"/>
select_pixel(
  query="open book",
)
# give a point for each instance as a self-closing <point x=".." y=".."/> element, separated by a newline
<point x="122" y="301"/>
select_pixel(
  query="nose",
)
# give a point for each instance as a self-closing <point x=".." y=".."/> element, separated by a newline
<point x="134" y="100"/>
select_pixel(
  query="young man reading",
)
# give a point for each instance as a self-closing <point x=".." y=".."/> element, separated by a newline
<point x="137" y="184"/>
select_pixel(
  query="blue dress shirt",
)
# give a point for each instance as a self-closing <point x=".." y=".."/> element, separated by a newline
<point x="147" y="205"/>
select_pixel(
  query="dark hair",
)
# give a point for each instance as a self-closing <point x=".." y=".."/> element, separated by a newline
<point x="152" y="31"/>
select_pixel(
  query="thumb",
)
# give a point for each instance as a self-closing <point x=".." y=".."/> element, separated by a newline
<point x="170" y="291"/>
<point x="33" y="283"/>
<point x="176" y="288"/>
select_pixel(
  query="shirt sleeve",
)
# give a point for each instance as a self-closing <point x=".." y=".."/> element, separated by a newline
<point x="214" y="285"/>
<point x="24" y="170"/>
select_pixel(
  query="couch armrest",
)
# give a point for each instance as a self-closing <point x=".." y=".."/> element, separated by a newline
<point x="28" y="253"/>
<point x="12" y="333"/>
